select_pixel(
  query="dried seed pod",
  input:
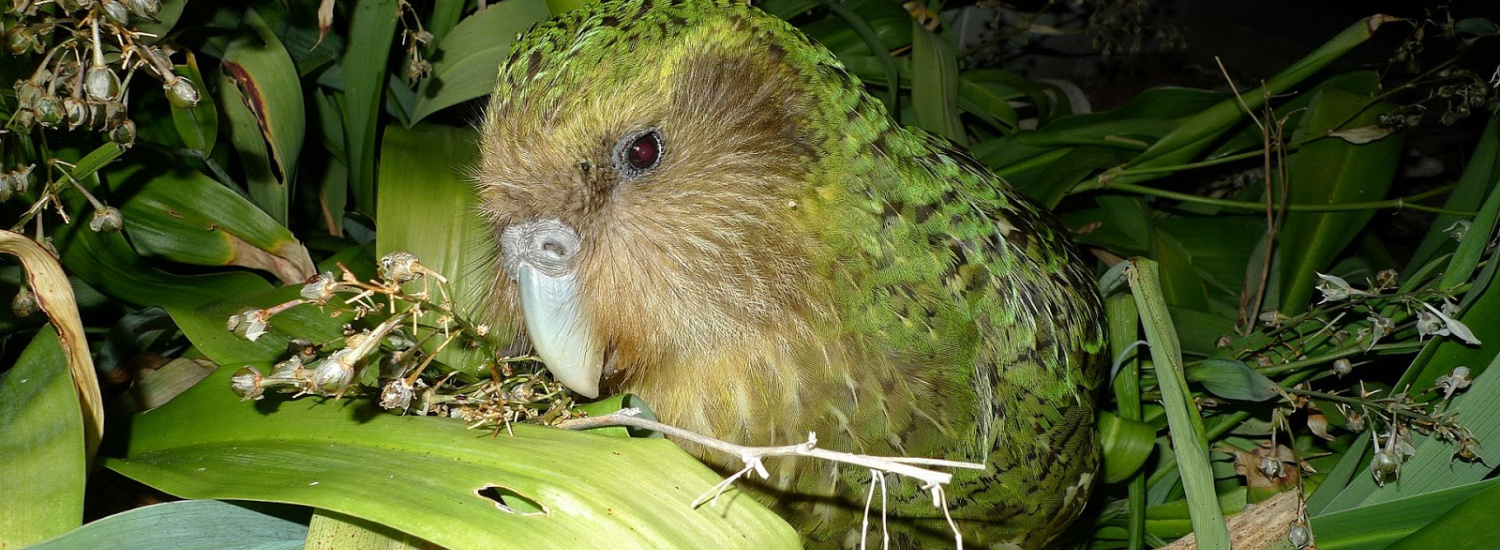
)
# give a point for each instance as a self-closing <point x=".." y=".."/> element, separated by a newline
<point x="400" y="266"/>
<point x="1387" y="278"/>
<point x="67" y="68"/>
<point x="1384" y="464"/>
<point x="49" y="111"/>
<point x="71" y="6"/>
<point x="145" y="9"/>
<point x="114" y="113"/>
<point x="19" y="40"/>
<point x="334" y="374"/>
<point x="1342" y="367"/>
<point x="24" y="120"/>
<point x="181" y="92"/>
<point x="1299" y="536"/>
<point x="246" y="383"/>
<point x="319" y="288"/>
<point x="28" y="94"/>
<point x="24" y="304"/>
<point x="396" y="395"/>
<point x="158" y="59"/>
<point x="1468" y="449"/>
<point x="107" y="220"/>
<point x="123" y="134"/>
<point x="418" y="69"/>
<point x="97" y="114"/>
<point x="102" y="84"/>
<point x="20" y="179"/>
<point x="76" y="111"/>
<point x="116" y="12"/>
<point x="1356" y="422"/>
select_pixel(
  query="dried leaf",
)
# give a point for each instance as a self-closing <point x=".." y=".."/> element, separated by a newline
<point x="1317" y="423"/>
<point x="1362" y="134"/>
<point x="325" y="20"/>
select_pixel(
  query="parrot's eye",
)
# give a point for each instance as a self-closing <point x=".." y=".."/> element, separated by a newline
<point x="639" y="152"/>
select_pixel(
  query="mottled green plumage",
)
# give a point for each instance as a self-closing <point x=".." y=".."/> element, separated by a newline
<point x="797" y="263"/>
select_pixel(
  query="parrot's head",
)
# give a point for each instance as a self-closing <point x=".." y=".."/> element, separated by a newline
<point x="647" y="168"/>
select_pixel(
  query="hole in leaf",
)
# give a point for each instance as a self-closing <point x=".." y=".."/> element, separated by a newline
<point x="511" y="502"/>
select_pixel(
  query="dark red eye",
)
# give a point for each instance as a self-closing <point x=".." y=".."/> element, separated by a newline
<point x="641" y="152"/>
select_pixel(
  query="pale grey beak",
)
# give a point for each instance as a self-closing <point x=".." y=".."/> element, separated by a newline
<point x="538" y="256"/>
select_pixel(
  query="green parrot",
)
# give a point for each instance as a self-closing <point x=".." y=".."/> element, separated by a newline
<point x="695" y="203"/>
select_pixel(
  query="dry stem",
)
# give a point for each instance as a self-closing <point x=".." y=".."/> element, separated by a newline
<point x="932" y="481"/>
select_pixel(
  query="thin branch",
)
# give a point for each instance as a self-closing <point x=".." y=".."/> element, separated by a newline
<point x="895" y="465"/>
<point x="932" y="481"/>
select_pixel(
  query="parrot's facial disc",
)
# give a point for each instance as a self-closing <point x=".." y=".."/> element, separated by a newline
<point x="538" y="256"/>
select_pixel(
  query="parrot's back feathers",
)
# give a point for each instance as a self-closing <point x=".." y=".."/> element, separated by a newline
<point x="761" y="252"/>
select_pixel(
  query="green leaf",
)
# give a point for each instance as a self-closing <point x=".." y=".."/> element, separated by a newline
<point x="466" y="62"/>
<point x="1479" y="309"/>
<point x="42" y="463"/>
<point x="445" y="16"/>
<point x="199" y="126"/>
<point x="617" y="403"/>
<point x="372" y="27"/>
<point x="1348" y="466"/>
<point x="333" y="189"/>
<point x="1218" y="247"/>
<point x="185" y="524"/>
<point x="1474" y="518"/>
<point x="1376" y="526"/>
<point x="249" y="143"/>
<point x="1199" y="330"/>
<point x="96" y="160"/>
<point x="1477" y="180"/>
<point x="152" y="32"/>
<point x="1127" y="444"/>
<point x="334" y="530"/>
<point x="888" y="23"/>
<point x="989" y="100"/>
<point x="109" y="264"/>
<point x="1189" y="441"/>
<point x="265" y="79"/>
<point x="435" y="479"/>
<point x="1332" y="171"/>
<point x="1233" y="380"/>
<point x="1148" y="117"/>
<point x="934" y="89"/>
<point x="1434" y="466"/>
<point x="1197" y="132"/>
<point x="1012" y="160"/>
<point x="1009" y="86"/>
<point x="1180" y="283"/>
<point x="787" y="9"/>
<point x="418" y="200"/>
<point x="1476" y="26"/>
<point x="182" y="215"/>
<point x="1173" y="519"/>
<point x="1060" y="176"/>
<point x="1124" y="327"/>
<point x="205" y="326"/>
